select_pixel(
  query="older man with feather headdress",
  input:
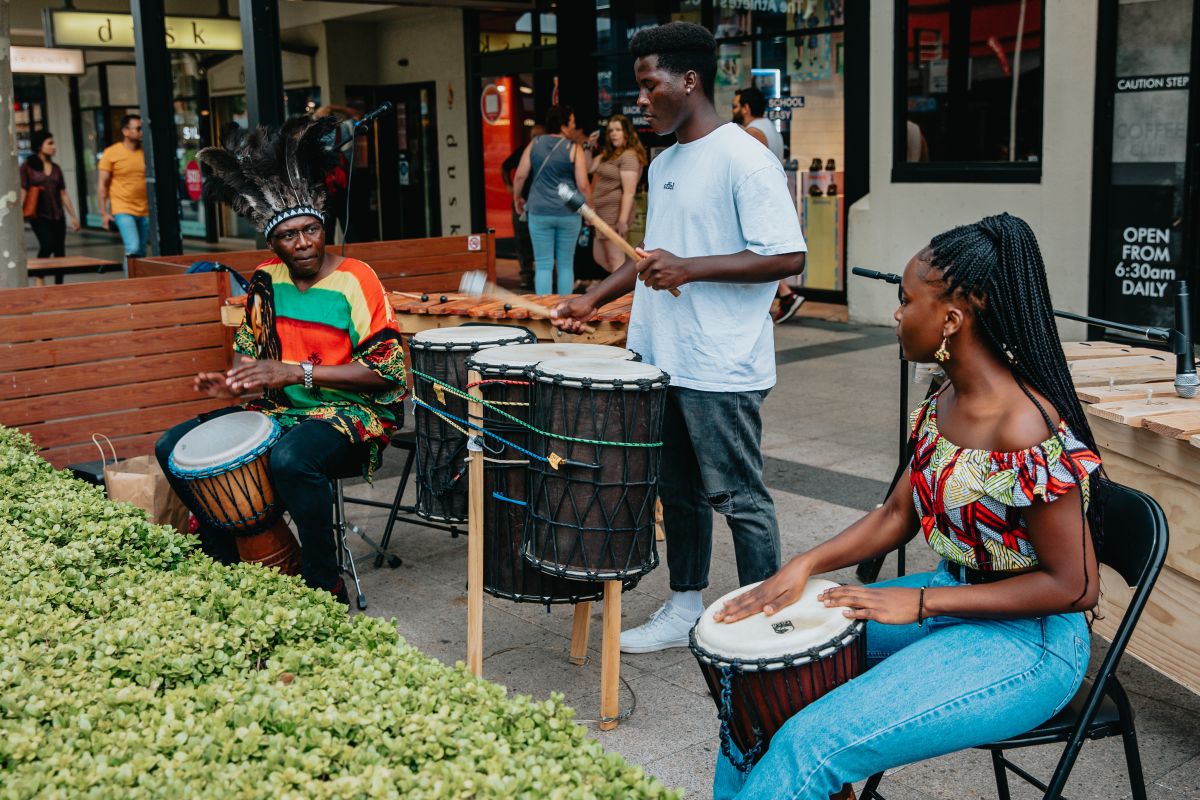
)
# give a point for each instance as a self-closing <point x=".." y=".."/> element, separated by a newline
<point x="319" y="349"/>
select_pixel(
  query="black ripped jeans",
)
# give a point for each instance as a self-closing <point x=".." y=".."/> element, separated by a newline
<point x="303" y="462"/>
<point x="712" y="461"/>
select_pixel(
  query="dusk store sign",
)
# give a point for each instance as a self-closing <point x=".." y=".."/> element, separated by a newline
<point x="98" y="29"/>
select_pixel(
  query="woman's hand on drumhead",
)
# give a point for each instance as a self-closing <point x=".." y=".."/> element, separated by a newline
<point x="213" y="384"/>
<point x="771" y="596"/>
<point x="571" y="315"/>
<point x="891" y="605"/>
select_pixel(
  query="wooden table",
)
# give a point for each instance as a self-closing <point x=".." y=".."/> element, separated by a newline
<point x="39" y="268"/>
<point x="1149" y="439"/>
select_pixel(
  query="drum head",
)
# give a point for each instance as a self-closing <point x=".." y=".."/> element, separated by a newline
<point x="469" y="337"/>
<point x="521" y="356"/>
<point x="223" y="440"/>
<point x="572" y="371"/>
<point x="788" y="636"/>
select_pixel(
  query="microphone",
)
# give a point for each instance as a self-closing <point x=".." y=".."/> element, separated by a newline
<point x="384" y="107"/>
<point x="889" y="277"/>
<point x="1186" y="381"/>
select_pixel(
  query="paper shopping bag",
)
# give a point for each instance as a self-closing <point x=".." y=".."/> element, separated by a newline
<point x="140" y="480"/>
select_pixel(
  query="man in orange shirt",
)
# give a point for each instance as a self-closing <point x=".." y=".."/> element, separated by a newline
<point x="123" y="182"/>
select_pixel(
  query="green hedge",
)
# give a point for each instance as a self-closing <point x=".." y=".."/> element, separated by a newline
<point x="132" y="666"/>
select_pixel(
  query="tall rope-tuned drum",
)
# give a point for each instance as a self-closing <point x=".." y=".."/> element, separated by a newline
<point x="225" y="462"/>
<point x="592" y="501"/>
<point x="441" y="355"/>
<point x="762" y="670"/>
<point x="505" y="374"/>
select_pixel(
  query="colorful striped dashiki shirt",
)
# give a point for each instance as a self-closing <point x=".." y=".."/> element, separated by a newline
<point x="344" y="317"/>
<point x="969" y="501"/>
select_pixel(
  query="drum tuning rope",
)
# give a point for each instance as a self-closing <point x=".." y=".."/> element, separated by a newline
<point x="494" y="407"/>
<point x="747" y="760"/>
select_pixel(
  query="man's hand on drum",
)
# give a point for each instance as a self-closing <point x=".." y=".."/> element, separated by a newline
<point x="891" y="605"/>
<point x="659" y="269"/>
<point x="253" y="376"/>
<point x="213" y="384"/>
<point x="572" y="315"/>
<point x="775" y="593"/>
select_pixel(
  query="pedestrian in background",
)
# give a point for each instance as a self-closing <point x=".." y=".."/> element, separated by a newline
<point x="614" y="185"/>
<point x="520" y="222"/>
<point x="553" y="228"/>
<point x="40" y="174"/>
<point x="123" y="185"/>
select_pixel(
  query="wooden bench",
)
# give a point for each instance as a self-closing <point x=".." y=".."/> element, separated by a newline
<point x="115" y="357"/>
<point x="39" y="268"/>
<point x="404" y="265"/>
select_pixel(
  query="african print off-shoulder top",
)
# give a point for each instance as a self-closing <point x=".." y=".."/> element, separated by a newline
<point x="970" y="501"/>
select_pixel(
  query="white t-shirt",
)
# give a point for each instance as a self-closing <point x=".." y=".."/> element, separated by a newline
<point x="774" y="137"/>
<point x="718" y="195"/>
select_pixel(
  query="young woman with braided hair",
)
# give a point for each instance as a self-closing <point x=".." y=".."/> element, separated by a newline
<point x="994" y="641"/>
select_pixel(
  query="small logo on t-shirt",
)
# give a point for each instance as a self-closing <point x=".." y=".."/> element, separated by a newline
<point x="669" y="185"/>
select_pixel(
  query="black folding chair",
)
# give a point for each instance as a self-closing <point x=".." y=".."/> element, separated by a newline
<point x="1135" y="545"/>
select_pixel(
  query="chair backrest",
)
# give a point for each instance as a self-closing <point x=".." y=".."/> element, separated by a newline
<point x="1135" y="545"/>
<point x="1135" y="534"/>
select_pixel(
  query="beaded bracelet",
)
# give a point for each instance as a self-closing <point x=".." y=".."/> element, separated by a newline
<point x="921" y="609"/>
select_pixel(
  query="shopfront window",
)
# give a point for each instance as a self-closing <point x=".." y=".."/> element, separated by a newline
<point x="1144" y="224"/>
<point x="969" y="90"/>
<point x="795" y="57"/>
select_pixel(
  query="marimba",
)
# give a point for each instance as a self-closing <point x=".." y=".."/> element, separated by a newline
<point x="419" y="312"/>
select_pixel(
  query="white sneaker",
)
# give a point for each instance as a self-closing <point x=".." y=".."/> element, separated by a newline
<point x="666" y="628"/>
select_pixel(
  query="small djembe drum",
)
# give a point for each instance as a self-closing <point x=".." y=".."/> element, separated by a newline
<point x="225" y="463"/>
<point x="761" y="670"/>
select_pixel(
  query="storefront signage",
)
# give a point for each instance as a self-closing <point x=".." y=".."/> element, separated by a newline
<point x="193" y="180"/>
<point x="781" y="107"/>
<point x="1153" y="83"/>
<point x="491" y="103"/>
<point x="47" y="61"/>
<point x="96" y="29"/>
<point x="1144" y="255"/>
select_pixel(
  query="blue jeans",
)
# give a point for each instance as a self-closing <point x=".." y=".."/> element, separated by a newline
<point x="953" y="684"/>
<point x="712" y="461"/>
<point x="554" y="239"/>
<point x="134" y="232"/>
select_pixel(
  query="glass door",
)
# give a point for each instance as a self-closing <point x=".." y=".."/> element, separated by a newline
<point x="1142" y="240"/>
<point x="399" y="198"/>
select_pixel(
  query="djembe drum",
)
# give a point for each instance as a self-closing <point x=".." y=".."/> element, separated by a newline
<point x="505" y="383"/>
<point x="592" y="501"/>
<point x="761" y="670"/>
<point x="439" y="359"/>
<point x="225" y="463"/>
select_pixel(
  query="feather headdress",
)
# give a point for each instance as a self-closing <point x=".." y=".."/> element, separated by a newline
<point x="270" y="176"/>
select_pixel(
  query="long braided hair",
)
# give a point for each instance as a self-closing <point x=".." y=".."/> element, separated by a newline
<point x="997" y="265"/>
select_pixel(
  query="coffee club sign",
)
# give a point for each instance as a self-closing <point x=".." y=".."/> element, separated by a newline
<point x="98" y="29"/>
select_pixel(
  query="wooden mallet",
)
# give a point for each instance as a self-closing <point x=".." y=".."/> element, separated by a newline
<point x="574" y="201"/>
<point x="476" y="284"/>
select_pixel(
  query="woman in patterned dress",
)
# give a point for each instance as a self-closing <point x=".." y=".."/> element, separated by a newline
<point x="994" y="641"/>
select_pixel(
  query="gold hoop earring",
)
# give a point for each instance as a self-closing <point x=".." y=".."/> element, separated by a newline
<point x="942" y="354"/>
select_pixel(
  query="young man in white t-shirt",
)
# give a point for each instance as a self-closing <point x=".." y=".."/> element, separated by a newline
<point x="722" y="228"/>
